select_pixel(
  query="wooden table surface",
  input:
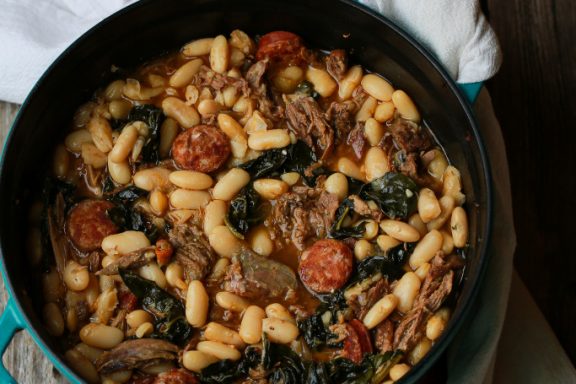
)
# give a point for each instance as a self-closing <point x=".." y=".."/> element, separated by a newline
<point x="534" y="97"/>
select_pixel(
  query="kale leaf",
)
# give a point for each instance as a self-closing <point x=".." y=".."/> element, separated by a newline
<point x="394" y="193"/>
<point x="168" y="311"/>
<point x="337" y="230"/>
<point x="284" y="364"/>
<point x="227" y="371"/>
<point x="245" y="211"/>
<point x="153" y="117"/>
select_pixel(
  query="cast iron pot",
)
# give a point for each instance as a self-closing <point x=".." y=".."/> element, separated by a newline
<point x="150" y="28"/>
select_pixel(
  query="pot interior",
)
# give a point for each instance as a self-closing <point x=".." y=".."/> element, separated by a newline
<point x="151" y="28"/>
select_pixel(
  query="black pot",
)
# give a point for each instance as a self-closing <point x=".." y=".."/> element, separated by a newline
<point x="150" y="28"/>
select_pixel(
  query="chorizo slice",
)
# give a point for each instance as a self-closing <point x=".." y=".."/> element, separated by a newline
<point x="351" y="346"/>
<point x="363" y="336"/>
<point x="325" y="266"/>
<point x="88" y="224"/>
<point x="278" y="44"/>
<point x="203" y="148"/>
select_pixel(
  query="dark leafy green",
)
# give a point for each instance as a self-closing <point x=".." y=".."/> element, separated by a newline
<point x="153" y="117"/>
<point x="168" y="311"/>
<point x="373" y="369"/>
<point x="245" y="211"/>
<point x="267" y="164"/>
<point x="128" y="218"/>
<point x="307" y="88"/>
<point x="313" y="330"/>
<point x="284" y="365"/>
<point x="394" y="193"/>
<point x="227" y="371"/>
<point x="337" y="230"/>
<point x="127" y="195"/>
<point x="389" y="265"/>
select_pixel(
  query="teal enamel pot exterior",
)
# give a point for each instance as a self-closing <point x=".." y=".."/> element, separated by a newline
<point x="152" y="27"/>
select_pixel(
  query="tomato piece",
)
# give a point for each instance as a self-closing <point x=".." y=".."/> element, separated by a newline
<point x="164" y="251"/>
<point x="278" y="44"/>
<point x="128" y="301"/>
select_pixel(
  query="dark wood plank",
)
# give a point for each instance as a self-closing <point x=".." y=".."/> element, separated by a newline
<point x="535" y="100"/>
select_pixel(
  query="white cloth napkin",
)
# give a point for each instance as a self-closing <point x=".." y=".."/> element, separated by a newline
<point x="456" y="31"/>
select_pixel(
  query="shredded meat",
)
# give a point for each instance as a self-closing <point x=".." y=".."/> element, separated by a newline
<point x="193" y="252"/>
<point x="309" y="124"/>
<point x="363" y="209"/>
<point x="130" y="260"/>
<point x="367" y="299"/>
<point x="357" y="140"/>
<point x="384" y="336"/>
<point x="303" y="213"/>
<point x="410" y="329"/>
<point x="341" y="117"/>
<point x="138" y="353"/>
<point x="409" y="136"/>
<point x="255" y="76"/>
<point x="217" y="81"/>
<point x="337" y="63"/>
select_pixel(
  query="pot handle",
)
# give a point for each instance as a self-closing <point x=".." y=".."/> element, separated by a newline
<point x="10" y="323"/>
<point x="471" y="90"/>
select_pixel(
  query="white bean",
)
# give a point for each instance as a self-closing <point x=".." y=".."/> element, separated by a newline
<point x="434" y="327"/>
<point x="191" y="180"/>
<point x="177" y="109"/>
<point x="196" y="361"/>
<point x="138" y="317"/>
<point x="287" y="79"/>
<point x="197" y="302"/>
<point x="367" y="109"/>
<point x="101" y="336"/>
<point x="384" y="111"/>
<point x="94" y="157"/>
<point x="184" y="75"/>
<point x="398" y="370"/>
<point x="251" y="325"/>
<point x="80" y="364"/>
<point x="374" y="131"/>
<point x="337" y="184"/>
<point x="198" y="47"/>
<point x="230" y="96"/>
<point x="53" y="319"/>
<point x="371" y="229"/>
<point x="290" y="178"/>
<point x="153" y="272"/>
<point x="209" y="107"/>
<point x="124" y="143"/>
<point x="256" y="123"/>
<point x="119" y="109"/>
<point x="168" y="132"/>
<point x="452" y="185"/>
<point x="349" y="82"/>
<point x="260" y="241"/>
<point x="144" y="329"/>
<point x="219" y="268"/>
<point x="101" y="133"/>
<point x="152" y="178"/>
<point x="158" y="202"/>
<point x="423" y="270"/>
<point x="61" y="162"/>
<point x="89" y="352"/>
<point x="377" y="87"/>
<point x="186" y="199"/>
<point x="459" y="227"/>
<point x="175" y="276"/>
<point x="119" y="172"/>
<point x="447" y="205"/>
<point x="219" y="54"/>
<point x="125" y="242"/>
<point x="406" y="291"/>
<point x="380" y="311"/>
<point x="180" y="216"/>
<point x="230" y="184"/>
<point x="362" y="249"/>
<point x="278" y="311"/>
<point x="76" y="276"/>
<point x="400" y="230"/>
<point x="428" y="205"/>
<point x="447" y="243"/>
<point x="219" y="350"/>
<point x="270" y="189"/>
<point x="270" y="139"/>
<point x="75" y="139"/>
<point x="426" y="249"/>
<point x="231" y="301"/>
<point x="405" y="106"/>
<point x="416" y="221"/>
<point x="280" y="331"/>
<point x="224" y="242"/>
<point x="419" y="351"/>
<point x="214" y="215"/>
<point x="323" y="83"/>
<point x="376" y="163"/>
<point x="218" y="332"/>
<point x="349" y="168"/>
<point x="114" y="90"/>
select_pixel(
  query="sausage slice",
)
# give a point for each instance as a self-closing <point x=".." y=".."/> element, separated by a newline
<point x="325" y="266"/>
<point x="278" y="44"/>
<point x="88" y="224"/>
<point x="203" y="148"/>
